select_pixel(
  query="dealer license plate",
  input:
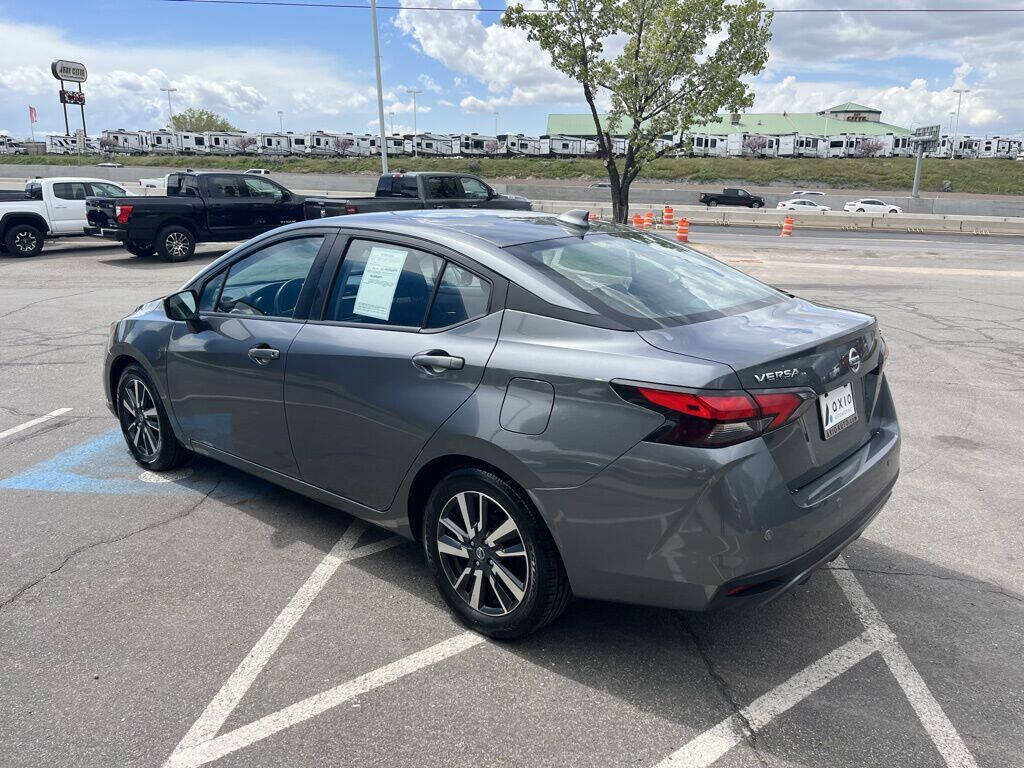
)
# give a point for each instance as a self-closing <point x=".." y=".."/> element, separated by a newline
<point x="838" y="410"/>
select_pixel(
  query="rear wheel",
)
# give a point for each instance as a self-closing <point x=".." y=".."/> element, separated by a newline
<point x="860" y="210"/>
<point x="139" y="249"/>
<point x="492" y="556"/>
<point x="175" y="243"/>
<point x="144" y="423"/>
<point x="23" y="240"/>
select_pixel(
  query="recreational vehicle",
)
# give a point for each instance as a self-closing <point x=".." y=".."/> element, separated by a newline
<point x="273" y="143"/>
<point x="122" y="141"/>
<point x="473" y="144"/>
<point x="227" y="142"/>
<point x="435" y="145"/>
<point x="192" y="143"/>
<point x="161" y="142"/>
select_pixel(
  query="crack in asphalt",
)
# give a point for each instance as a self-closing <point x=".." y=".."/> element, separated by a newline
<point x="17" y="594"/>
<point x="725" y="691"/>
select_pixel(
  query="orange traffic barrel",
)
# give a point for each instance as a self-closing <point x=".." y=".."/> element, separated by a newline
<point x="638" y="221"/>
<point x="683" y="231"/>
<point x="787" y="227"/>
<point x="648" y="219"/>
<point x="668" y="216"/>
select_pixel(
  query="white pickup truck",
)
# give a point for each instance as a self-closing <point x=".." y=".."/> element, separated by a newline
<point x="48" y="208"/>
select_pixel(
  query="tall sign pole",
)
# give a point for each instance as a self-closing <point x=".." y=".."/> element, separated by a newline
<point x="924" y="138"/>
<point x="380" y="92"/>
<point x="73" y="72"/>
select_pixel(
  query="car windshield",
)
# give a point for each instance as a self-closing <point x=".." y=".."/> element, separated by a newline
<point x="644" y="281"/>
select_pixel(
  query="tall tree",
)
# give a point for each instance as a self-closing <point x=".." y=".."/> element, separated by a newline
<point x="199" y="120"/>
<point x="681" y="64"/>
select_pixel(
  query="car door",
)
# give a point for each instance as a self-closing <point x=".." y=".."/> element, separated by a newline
<point x="271" y="205"/>
<point x="67" y="207"/>
<point x="442" y="192"/>
<point x="228" y="207"/>
<point x="225" y="374"/>
<point x="476" y="194"/>
<point x="400" y="343"/>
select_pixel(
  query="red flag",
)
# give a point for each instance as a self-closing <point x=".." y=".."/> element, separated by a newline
<point x="33" y="117"/>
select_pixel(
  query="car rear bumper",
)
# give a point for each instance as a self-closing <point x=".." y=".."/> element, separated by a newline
<point x="108" y="233"/>
<point x="701" y="529"/>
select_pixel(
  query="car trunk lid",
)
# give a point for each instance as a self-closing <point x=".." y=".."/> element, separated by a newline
<point x="794" y="344"/>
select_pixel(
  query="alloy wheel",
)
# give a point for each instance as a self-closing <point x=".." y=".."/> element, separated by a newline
<point x="25" y="242"/>
<point x="176" y="244"/>
<point x="139" y="418"/>
<point x="482" y="553"/>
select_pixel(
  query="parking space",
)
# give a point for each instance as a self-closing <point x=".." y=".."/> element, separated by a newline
<point x="208" y="618"/>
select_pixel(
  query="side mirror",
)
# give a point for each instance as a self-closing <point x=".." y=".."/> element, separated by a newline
<point x="182" y="306"/>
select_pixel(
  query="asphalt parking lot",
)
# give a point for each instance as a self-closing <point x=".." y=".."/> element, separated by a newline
<point x="205" y="617"/>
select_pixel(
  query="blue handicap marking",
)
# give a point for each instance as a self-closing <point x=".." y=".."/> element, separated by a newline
<point x="103" y="465"/>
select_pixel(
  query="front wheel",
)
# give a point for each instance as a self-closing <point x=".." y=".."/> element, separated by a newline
<point x="712" y="203"/>
<point x="175" y="243"/>
<point x="144" y="423"/>
<point x="755" y="205"/>
<point x="492" y="557"/>
<point x="893" y="210"/>
<point x="24" y="240"/>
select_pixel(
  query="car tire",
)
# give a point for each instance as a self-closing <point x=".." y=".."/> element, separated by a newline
<point x="860" y="210"/>
<point x="175" y="243"/>
<point x="23" y="240"/>
<point x="712" y="203"/>
<point x="534" y="588"/>
<point x="135" y="249"/>
<point x="893" y="210"/>
<point x="144" y="423"/>
<point x="755" y="205"/>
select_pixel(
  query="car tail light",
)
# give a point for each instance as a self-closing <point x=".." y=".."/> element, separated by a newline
<point x="123" y="213"/>
<point x="349" y="208"/>
<point x="713" y="419"/>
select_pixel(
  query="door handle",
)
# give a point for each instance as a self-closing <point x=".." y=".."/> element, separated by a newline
<point x="263" y="354"/>
<point x="438" y="361"/>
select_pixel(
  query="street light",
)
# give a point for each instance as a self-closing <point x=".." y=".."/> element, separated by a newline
<point x="413" y="91"/>
<point x="391" y="115"/>
<point x="380" y="92"/>
<point x="170" y="111"/>
<point x="959" y="98"/>
<point x="495" y="123"/>
<point x="280" y="120"/>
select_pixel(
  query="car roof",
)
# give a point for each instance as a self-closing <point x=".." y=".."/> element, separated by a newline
<point x="64" y="179"/>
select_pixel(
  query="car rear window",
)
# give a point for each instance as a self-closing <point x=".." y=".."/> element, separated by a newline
<point x="646" y="282"/>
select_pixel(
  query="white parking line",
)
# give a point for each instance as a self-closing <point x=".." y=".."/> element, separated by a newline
<point x="715" y="742"/>
<point x="711" y="745"/>
<point x="934" y="720"/>
<point x="33" y="422"/>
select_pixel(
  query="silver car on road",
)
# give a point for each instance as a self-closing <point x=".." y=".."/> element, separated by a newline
<point x="553" y="407"/>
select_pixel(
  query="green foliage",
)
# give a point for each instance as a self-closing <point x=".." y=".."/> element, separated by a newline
<point x="682" y="64"/>
<point x="987" y="177"/>
<point x="198" y="121"/>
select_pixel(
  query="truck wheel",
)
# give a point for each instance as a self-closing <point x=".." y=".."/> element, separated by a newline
<point x="712" y="203"/>
<point x="24" y="240"/>
<point x="139" y="250"/>
<point x="755" y="205"/>
<point x="175" y="243"/>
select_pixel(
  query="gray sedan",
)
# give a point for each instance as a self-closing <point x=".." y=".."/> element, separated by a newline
<point x="552" y="407"/>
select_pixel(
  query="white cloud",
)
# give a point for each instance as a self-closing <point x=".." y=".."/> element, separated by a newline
<point x="428" y="84"/>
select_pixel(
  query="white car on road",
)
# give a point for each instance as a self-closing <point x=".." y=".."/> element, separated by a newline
<point x="807" y="193"/>
<point x="871" y="205"/>
<point x="800" y="204"/>
<point x="48" y="208"/>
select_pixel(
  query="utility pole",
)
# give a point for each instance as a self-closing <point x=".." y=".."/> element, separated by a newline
<point x="413" y="91"/>
<point x="495" y="123"/>
<point x="170" y="110"/>
<point x="917" y="170"/>
<point x="959" y="98"/>
<point x="280" y="120"/>
<point x="380" y="92"/>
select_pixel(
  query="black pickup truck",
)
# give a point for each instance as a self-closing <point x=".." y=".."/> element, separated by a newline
<point x="422" y="189"/>
<point x="732" y="196"/>
<point x="201" y="207"/>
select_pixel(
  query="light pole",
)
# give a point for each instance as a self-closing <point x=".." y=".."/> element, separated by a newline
<point x="170" y="111"/>
<point x="495" y="123"/>
<point x="391" y="116"/>
<point x="956" y="130"/>
<point x="413" y="91"/>
<point x="280" y="120"/>
<point x="951" y="115"/>
<point x="380" y="92"/>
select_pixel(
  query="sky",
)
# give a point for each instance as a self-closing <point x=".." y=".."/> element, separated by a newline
<point x="315" y="65"/>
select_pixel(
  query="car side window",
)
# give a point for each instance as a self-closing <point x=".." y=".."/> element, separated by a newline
<point x="70" y="190"/>
<point x="461" y="295"/>
<point x="99" y="189"/>
<point x="210" y="292"/>
<point x="475" y="189"/>
<point x="383" y="284"/>
<point x="224" y="186"/>
<point x="267" y="283"/>
<point x="260" y="188"/>
<point x="437" y="187"/>
<point x="408" y="187"/>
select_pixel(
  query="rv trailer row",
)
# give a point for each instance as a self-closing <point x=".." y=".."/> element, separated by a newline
<point x="329" y="144"/>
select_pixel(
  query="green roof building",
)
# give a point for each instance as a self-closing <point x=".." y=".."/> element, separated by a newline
<point x="835" y="120"/>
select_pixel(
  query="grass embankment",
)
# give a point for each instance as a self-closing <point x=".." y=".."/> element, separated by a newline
<point x="1003" y="177"/>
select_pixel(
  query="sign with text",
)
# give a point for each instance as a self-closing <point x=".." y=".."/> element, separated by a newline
<point x="927" y="133"/>
<point x="72" y="71"/>
<point x="72" y="97"/>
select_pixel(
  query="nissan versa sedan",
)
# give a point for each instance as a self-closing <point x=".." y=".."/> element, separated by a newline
<point x="551" y="407"/>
